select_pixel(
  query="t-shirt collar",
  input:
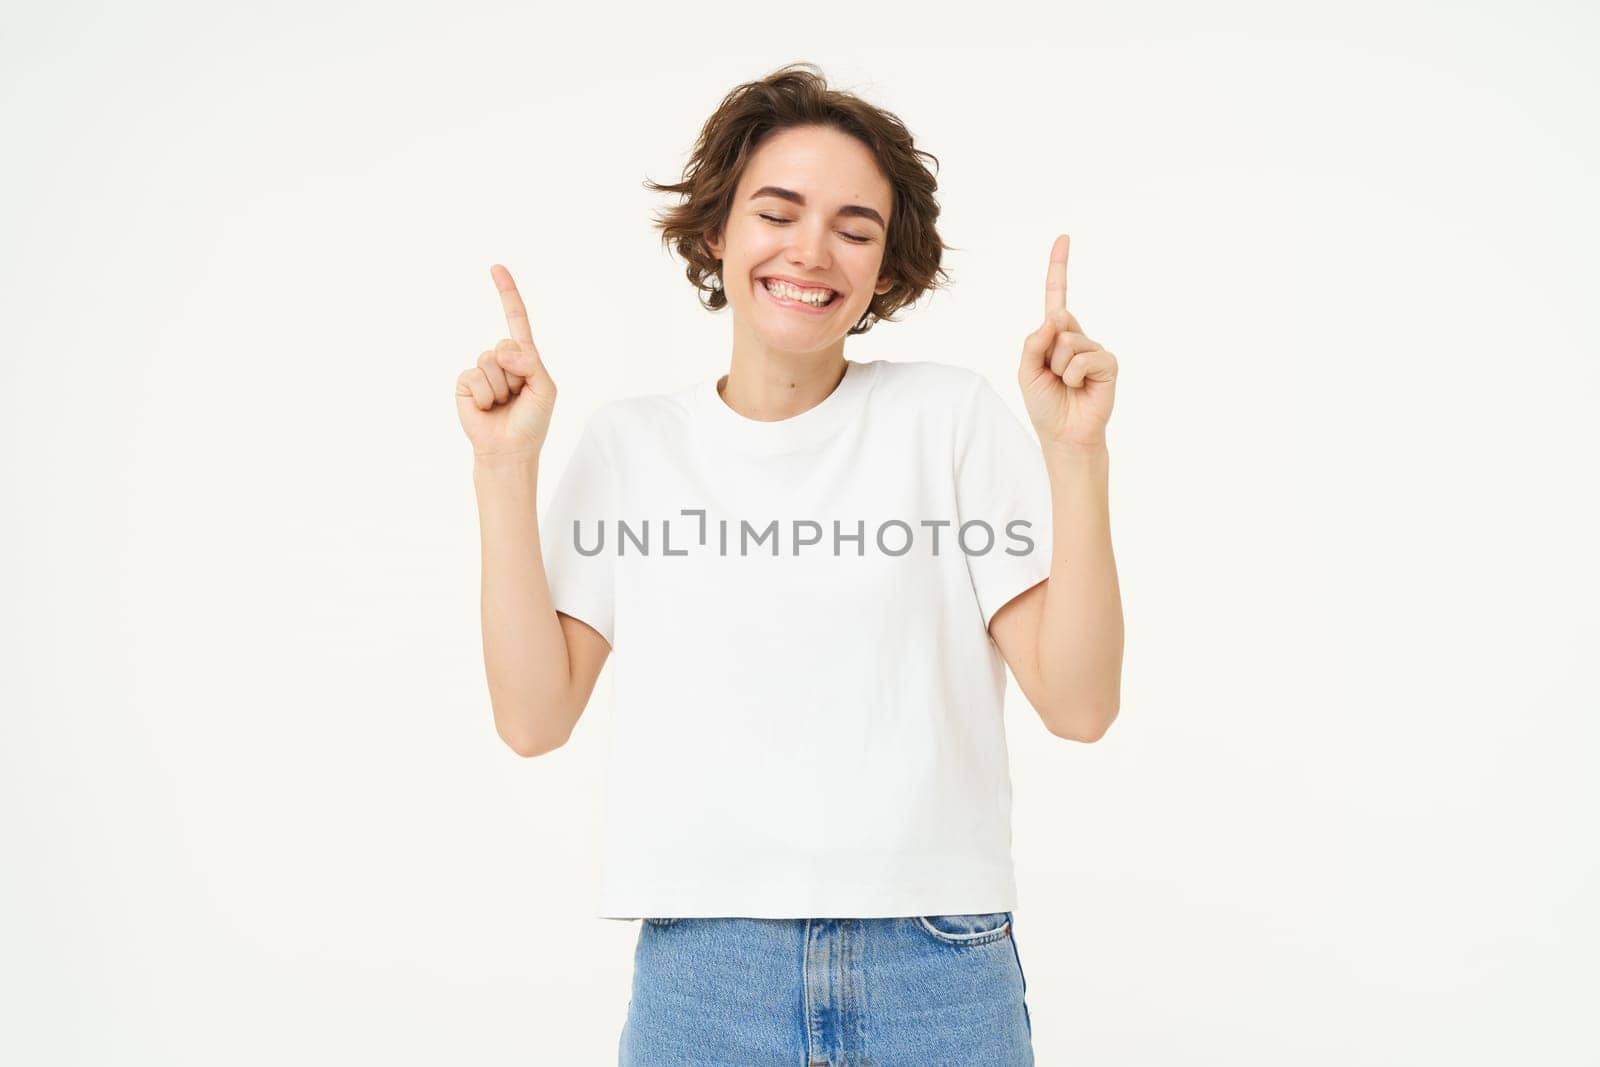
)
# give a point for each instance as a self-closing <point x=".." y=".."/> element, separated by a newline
<point x="805" y="430"/>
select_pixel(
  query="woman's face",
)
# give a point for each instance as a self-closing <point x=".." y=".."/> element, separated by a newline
<point x="813" y="207"/>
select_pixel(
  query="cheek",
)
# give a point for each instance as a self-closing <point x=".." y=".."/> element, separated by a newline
<point x="864" y="271"/>
<point x="749" y="242"/>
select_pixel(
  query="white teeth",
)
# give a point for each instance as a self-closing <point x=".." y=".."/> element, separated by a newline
<point x="814" y="297"/>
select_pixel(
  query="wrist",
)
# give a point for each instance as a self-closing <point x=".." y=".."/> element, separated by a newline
<point x="502" y="465"/>
<point x="1075" y="450"/>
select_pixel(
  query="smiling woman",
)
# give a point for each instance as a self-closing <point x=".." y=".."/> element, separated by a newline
<point x="808" y="788"/>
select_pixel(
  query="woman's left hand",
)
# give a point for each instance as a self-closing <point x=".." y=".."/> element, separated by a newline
<point x="1067" y="380"/>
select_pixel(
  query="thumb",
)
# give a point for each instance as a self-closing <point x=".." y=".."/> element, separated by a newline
<point x="1036" y="349"/>
<point x="520" y="360"/>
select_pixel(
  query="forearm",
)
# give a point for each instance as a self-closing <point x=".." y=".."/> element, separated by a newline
<point x="524" y="650"/>
<point x="1080" y="628"/>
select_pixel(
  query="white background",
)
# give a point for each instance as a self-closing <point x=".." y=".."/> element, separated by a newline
<point x="255" y="810"/>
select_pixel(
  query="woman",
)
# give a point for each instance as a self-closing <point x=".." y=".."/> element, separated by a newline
<point x="815" y="572"/>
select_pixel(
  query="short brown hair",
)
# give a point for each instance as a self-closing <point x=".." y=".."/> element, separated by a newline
<point x="798" y="95"/>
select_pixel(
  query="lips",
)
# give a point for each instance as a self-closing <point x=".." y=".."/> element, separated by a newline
<point x="794" y="305"/>
<point x="798" y="283"/>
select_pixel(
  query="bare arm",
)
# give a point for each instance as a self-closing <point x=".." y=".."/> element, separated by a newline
<point x="1076" y="613"/>
<point x="541" y="665"/>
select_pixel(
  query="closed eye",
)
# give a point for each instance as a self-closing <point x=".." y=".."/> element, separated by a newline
<point x="783" y="222"/>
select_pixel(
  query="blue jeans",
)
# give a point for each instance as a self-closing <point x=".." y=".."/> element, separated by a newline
<point x="897" y="992"/>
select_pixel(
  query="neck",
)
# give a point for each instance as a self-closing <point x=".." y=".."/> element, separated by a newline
<point x="768" y="385"/>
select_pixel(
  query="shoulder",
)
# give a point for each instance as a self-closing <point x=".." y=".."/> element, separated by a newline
<point x="961" y="400"/>
<point x="627" y="417"/>
<point x="927" y="383"/>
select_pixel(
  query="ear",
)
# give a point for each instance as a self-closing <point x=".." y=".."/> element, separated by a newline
<point x="883" y="286"/>
<point x="713" y="242"/>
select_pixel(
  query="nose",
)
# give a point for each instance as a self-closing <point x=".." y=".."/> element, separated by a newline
<point x="806" y="250"/>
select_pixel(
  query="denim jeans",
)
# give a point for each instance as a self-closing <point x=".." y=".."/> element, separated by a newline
<point x="880" y="992"/>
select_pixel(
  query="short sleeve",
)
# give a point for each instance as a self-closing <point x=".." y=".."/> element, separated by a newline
<point x="577" y="532"/>
<point x="1001" y="481"/>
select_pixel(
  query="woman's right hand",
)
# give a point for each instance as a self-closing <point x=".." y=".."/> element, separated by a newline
<point x="505" y="401"/>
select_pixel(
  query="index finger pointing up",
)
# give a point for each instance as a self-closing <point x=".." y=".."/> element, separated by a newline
<point x="511" y="300"/>
<point x="1055" y="280"/>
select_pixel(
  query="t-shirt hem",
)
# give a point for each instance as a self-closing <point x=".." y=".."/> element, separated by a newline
<point x="806" y="901"/>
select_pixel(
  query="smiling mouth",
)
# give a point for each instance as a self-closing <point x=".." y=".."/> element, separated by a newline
<point x="804" y="305"/>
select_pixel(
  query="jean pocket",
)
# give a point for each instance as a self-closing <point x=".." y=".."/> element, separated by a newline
<point x="978" y="928"/>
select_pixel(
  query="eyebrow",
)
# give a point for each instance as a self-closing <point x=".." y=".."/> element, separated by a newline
<point x="857" y="210"/>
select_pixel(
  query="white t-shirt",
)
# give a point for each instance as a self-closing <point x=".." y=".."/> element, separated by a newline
<point x="804" y="725"/>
